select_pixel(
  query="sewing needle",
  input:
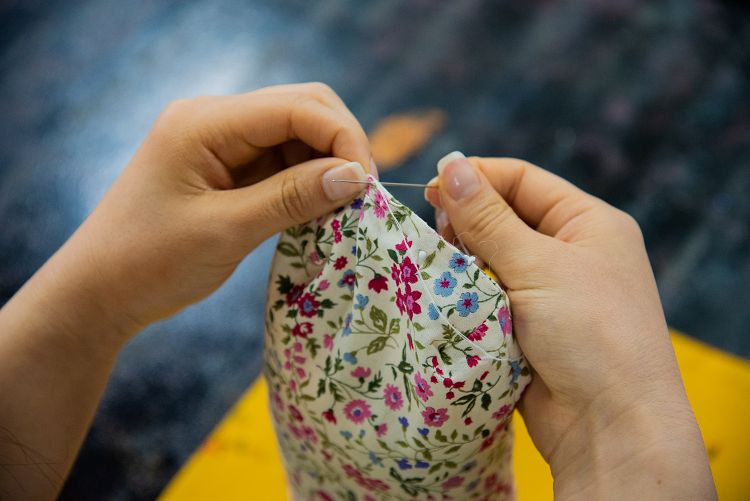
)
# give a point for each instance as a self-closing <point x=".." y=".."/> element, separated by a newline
<point x="385" y="183"/>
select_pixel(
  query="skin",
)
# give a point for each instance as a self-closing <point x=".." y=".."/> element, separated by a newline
<point x="216" y="176"/>
<point x="606" y="407"/>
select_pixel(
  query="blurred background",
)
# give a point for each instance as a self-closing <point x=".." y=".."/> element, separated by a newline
<point x="644" y="103"/>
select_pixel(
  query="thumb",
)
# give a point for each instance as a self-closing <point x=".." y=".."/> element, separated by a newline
<point x="486" y="224"/>
<point x="293" y="196"/>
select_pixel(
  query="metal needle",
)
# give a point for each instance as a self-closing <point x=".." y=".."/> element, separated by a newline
<point x="385" y="183"/>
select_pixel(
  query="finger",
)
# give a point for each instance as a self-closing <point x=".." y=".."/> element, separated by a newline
<point x="325" y="95"/>
<point x="323" y="92"/>
<point x="237" y="129"/>
<point x="484" y="222"/>
<point x="293" y="196"/>
<point x="543" y="200"/>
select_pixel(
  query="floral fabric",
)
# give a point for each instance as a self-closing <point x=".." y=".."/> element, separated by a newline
<point x="390" y="360"/>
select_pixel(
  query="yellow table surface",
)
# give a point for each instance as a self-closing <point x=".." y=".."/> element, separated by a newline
<point x="240" y="459"/>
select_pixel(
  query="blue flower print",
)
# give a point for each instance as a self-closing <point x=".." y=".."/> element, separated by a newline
<point x="347" y="325"/>
<point x="433" y="312"/>
<point x="421" y="464"/>
<point x="357" y="203"/>
<point x="468" y="466"/>
<point x="404" y="464"/>
<point x="346" y="434"/>
<point x="348" y="279"/>
<point x="375" y="459"/>
<point x="404" y="422"/>
<point x="349" y="357"/>
<point x="445" y="284"/>
<point x="515" y="371"/>
<point x="361" y="302"/>
<point x="458" y="262"/>
<point x="467" y="303"/>
<point x="423" y="431"/>
<point x="354" y="250"/>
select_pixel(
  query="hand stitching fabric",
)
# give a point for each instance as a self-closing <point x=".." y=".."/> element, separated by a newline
<point x="390" y="360"/>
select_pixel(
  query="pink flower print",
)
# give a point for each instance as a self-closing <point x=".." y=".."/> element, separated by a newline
<point x="468" y="421"/>
<point x="336" y="226"/>
<point x="357" y="411"/>
<point x="503" y="316"/>
<point x="297" y="346"/>
<point x="302" y="330"/>
<point x="501" y="412"/>
<point x="393" y="398"/>
<point x="381" y="205"/>
<point x="328" y="341"/>
<point x="323" y="285"/>
<point x="329" y="416"/>
<point x="473" y="360"/>
<point x="324" y="496"/>
<point x="424" y="390"/>
<point x="403" y="245"/>
<point x="368" y="483"/>
<point x="435" y="417"/>
<point x="308" y="306"/>
<point x="478" y="333"/>
<point x="381" y="429"/>
<point x="361" y="372"/>
<point x="315" y="257"/>
<point x="309" y="435"/>
<point x="408" y="271"/>
<point x="378" y="284"/>
<point x="411" y="342"/>
<point x="295" y="413"/>
<point x="294" y="294"/>
<point x="407" y="301"/>
<point x="340" y="263"/>
<point x="301" y="373"/>
<point x="396" y="274"/>
<point x="453" y="482"/>
<point x="449" y="395"/>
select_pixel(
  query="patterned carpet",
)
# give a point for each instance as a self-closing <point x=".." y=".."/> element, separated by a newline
<point x="645" y="104"/>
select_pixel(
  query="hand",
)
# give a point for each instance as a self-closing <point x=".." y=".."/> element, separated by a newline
<point x="215" y="177"/>
<point x="606" y="406"/>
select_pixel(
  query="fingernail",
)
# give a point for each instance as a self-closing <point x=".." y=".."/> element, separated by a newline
<point x="432" y="195"/>
<point x="352" y="171"/>
<point x="374" y="168"/>
<point x="453" y="155"/>
<point x="458" y="175"/>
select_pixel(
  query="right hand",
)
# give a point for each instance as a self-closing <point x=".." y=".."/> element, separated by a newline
<point x="606" y="407"/>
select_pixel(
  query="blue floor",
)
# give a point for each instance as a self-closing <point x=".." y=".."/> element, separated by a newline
<point x="645" y="104"/>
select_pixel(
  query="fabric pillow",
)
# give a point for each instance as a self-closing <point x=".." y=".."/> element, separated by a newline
<point x="390" y="360"/>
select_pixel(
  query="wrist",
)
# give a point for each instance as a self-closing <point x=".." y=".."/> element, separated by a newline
<point x="65" y="300"/>
<point x="650" y="448"/>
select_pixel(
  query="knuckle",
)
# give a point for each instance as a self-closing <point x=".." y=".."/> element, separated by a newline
<point x="293" y="200"/>
<point x="320" y="88"/>
<point x="627" y="225"/>
<point x="485" y="217"/>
